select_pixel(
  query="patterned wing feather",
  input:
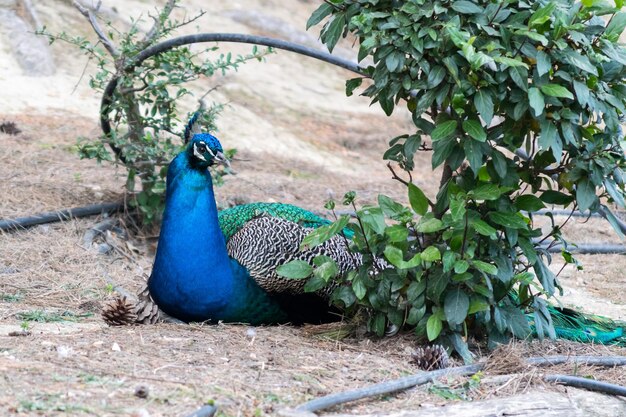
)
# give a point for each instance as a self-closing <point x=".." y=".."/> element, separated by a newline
<point x="265" y="242"/>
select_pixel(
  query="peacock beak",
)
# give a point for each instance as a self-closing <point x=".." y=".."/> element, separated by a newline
<point x="221" y="159"/>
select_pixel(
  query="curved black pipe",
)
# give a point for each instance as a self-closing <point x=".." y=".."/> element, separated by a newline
<point x="586" y="383"/>
<point x="426" y="377"/>
<point x="57" y="216"/>
<point x="107" y="95"/>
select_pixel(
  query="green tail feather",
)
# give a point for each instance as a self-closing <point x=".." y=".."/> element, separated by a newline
<point x="233" y="219"/>
<point x="573" y="325"/>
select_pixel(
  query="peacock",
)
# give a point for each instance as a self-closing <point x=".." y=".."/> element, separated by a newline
<point x="221" y="266"/>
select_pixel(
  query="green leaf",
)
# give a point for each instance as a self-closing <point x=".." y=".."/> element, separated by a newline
<point x="431" y="254"/>
<point x="443" y="130"/>
<point x="543" y="63"/>
<point x="314" y="283"/>
<point x="397" y="233"/>
<point x="334" y="31"/>
<point x="326" y="271"/>
<point x="556" y="197"/>
<point x="484" y="105"/>
<point x="319" y="14"/>
<point x="486" y="192"/>
<point x="546" y="276"/>
<point x="429" y="225"/>
<point x="520" y="77"/>
<point x="359" y="288"/>
<point x="323" y="233"/>
<point x="555" y="90"/>
<point x="372" y="219"/>
<point x="585" y="194"/>
<point x="434" y="326"/>
<point x="580" y="61"/>
<point x="536" y="101"/>
<point x="456" y="305"/>
<point x="483" y="228"/>
<point x="616" y="193"/>
<point x="448" y="260"/>
<point x="391" y="208"/>
<point x="529" y="202"/>
<point x="510" y="62"/>
<point x="542" y="15"/>
<point x="396" y="257"/>
<point x="478" y="303"/>
<point x="466" y="7"/>
<point x="296" y="269"/>
<point x="461" y="266"/>
<point x="485" y="267"/>
<point x="417" y="199"/>
<point x="616" y="26"/>
<point x="457" y="207"/>
<point x="352" y="84"/>
<point x="510" y="220"/>
<point x="475" y="129"/>
<point x="534" y="36"/>
<point x="436" y="76"/>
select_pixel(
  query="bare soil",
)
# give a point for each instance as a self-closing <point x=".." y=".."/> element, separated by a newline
<point x="300" y="140"/>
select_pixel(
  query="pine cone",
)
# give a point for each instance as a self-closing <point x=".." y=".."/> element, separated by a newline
<point x="119" y="312"/>
<point x="147" y="310"/>
<point x="430" y="358"/>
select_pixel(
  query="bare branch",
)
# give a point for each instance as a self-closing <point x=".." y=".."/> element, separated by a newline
<point x="106" y="41"/>
<point x="395" y="176"/>
<point x="156" y="28"/>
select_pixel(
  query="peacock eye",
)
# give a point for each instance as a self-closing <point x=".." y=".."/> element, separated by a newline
<point x="201" y="147"/>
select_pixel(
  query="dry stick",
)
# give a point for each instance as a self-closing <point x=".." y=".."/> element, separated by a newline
<point x="426" y="377"/>
<point x="106" y="41"/>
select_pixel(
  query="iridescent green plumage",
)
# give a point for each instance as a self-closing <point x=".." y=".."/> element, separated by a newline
<point x="587" y="328"/>
<point x="234" y="218"/>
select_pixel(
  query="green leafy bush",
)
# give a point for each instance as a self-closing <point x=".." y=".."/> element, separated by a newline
<point x="147" y="130"/>
<point x="520" y="102"/>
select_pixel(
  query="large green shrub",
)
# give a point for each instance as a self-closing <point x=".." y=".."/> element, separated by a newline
<point x="521" y="104"/>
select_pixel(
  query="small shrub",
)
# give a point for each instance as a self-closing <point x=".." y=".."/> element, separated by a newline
<point x="147" y="128"/>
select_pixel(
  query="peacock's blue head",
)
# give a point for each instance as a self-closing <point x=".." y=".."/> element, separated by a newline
<point x="205" y="150"/>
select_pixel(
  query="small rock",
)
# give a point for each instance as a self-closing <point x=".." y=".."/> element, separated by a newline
<point x="20" y="333"/>
<point x="64" y="351"/>
<point x="141" y="391"/>
<point x="251" y="333"/>
<point x="115" y="347"/>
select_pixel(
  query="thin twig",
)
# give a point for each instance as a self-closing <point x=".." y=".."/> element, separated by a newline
<point x="154" y="30"/>
<point x="106" y="41"/>
<point x="395" y="176"/>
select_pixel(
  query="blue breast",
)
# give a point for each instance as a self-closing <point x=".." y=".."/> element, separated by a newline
<point x="193" y="278"/>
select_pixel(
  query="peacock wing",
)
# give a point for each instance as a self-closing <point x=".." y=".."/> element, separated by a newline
<point x="265" y="242"/>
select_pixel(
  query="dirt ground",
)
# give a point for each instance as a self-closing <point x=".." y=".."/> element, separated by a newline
<point x="300" y="140"/>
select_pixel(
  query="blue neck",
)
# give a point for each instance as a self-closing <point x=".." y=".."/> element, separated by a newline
<point x="192" y="277"/>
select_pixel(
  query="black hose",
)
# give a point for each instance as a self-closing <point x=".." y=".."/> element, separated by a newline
<point x="586" y="383"/>
<point x="386" y="387"/>
<point x="426" y="377"/>
<point x="56" y="216"/>
<point x="582" y="359"/>
<point x="107" y="95"/>
<point x="588" y="249"/>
